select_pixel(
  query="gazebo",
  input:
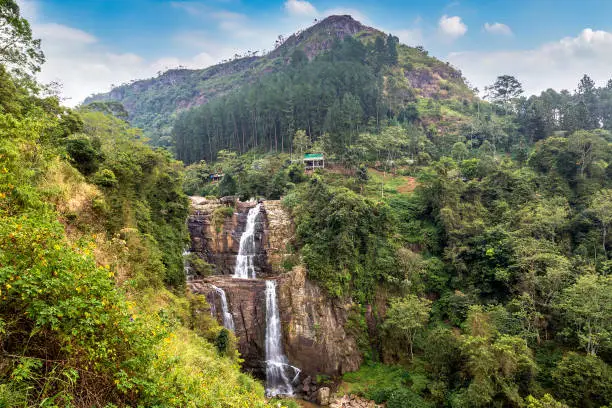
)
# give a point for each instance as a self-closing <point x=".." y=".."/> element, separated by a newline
<point x="314" y="161"/>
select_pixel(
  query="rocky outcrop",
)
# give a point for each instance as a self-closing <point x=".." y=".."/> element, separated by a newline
<point x="247" y="304"/>
<point x="313" y="327"/>
<point x="314" y="338"/>
<point x="278" y="235"/>
<point x="353" y="401"/>
<point x="218" y="242"/>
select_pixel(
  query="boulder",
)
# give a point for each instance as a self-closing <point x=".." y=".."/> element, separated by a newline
<point x="323" y="395"/>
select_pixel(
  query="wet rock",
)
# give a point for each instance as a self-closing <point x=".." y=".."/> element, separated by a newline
<point x="219" y="244"/>
<point x="323" y="394"/>
<point x="247" y="304"/>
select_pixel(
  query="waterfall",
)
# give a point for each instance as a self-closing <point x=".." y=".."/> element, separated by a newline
<point x="244" y="262"/>
<point x="228" y="320"/>
<point x="278" y="368"/>
<point x="189" y="275"/>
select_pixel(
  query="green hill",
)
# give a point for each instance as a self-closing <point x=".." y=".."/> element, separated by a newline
<point x="153" y="103"/>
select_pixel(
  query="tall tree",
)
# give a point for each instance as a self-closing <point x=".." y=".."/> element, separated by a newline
<point x="18" y="49"/>
<point x="406" y="317"/>
<point x="588" y="306"/>
<point x="601" y="208"/>
<point x="504" y="89"/>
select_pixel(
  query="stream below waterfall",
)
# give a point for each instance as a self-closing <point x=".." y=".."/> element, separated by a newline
<point x="280" y="375"/>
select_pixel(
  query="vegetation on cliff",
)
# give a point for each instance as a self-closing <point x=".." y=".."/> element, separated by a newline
<point x="92" y="310"/>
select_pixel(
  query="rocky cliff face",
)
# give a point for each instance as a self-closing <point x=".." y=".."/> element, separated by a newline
<point x="313" y="327"/>
<point x="218" y="241"/>
<point x="314" y="337"/>
<point x="247" y="304"/>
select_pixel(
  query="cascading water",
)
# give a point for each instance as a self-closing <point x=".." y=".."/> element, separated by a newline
<point x="186" y="266"/>
<point x="280" y="375"/>
<point x="228" y="320"/>
<point x="245" y="267"/>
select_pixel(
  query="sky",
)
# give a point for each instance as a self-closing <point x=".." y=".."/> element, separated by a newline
<point x="93" y="44"/>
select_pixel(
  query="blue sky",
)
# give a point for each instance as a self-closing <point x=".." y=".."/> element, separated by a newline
<point x="91" y="44"/>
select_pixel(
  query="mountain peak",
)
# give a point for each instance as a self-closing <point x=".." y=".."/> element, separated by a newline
<point x="321" y="35"/>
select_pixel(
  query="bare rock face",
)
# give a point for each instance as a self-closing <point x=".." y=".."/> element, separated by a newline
<point x="278" y="235"/>
<point x="313" y="327"/>
<point x="219" y="244"/>
<point x="314" y="338"/>
<point x="247" y="303"/>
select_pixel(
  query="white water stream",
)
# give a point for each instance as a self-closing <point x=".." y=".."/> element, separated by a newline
<point x="245" y="268"/>
<point x="280" y="375"/>
<point x="228" y="320"/>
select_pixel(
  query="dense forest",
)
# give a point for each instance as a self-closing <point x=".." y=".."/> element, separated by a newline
<point x="471" y="237"/>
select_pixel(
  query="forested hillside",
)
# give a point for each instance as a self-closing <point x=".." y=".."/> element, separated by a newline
<point x="155" y="103"/>
<point x="92" y="227"/>
<point x="479" y="267"/>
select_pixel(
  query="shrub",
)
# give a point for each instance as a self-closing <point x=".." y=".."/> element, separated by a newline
<point x="584" y="381"/>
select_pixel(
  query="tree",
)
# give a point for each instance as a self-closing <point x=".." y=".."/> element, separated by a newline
<point x="601" y="208"/>
<point x="505" y="88"/>
<point x="227" y="185"/>
<point x="392" y="56"/>
<point x="547" y="401"/>
<point x="589" y="146"/>
<point x="583" y="381"/>
<point x="406" y="317"/>
<point x="301" y="143"/>
<point x="17" y="47"/>
<point x="459" y="151"/>
<point x="588" y="306"/>
<point x="499" y="371"/>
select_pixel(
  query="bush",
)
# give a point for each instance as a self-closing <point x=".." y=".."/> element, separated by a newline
<point x="105" y="178"/>
<point x="584" y="381"/>
<point x="85" y="157"/>
<point x="219" y="215"/>
<point x="405" y="398"/>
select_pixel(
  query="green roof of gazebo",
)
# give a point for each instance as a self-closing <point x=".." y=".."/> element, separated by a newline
<point x="313" y="156"/>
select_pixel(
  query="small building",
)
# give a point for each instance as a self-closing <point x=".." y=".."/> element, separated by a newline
<point x="314" y="161"/>
<point x="216" y="177"/>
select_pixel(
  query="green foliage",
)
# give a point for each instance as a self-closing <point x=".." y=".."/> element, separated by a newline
<point x="376" y="381"/>
<point x="405" y="398"/>
<point x="584" y="381"/>
<point x="80" y="317"/>
<point x="227" y="186"/>
<point x="18" y="49"/>
<point x="405" y="318"/>
<point x="588" y="306"/>
<point x="344" y="239"/>
<point x="222" y="340"/>
<point x="85" y="157"/>
<point x="220" y="215"/>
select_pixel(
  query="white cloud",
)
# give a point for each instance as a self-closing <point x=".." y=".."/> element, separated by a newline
<point x="452" y="27"/>
<point x="300" y="8"/>
<point x="557" y="65"/>
<point x="192" y="9"/>
<point x="497" y="28"/>
<point x="57" y="32"/>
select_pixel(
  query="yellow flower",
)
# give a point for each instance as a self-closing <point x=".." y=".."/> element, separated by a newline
<point x="8" y="286"/>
